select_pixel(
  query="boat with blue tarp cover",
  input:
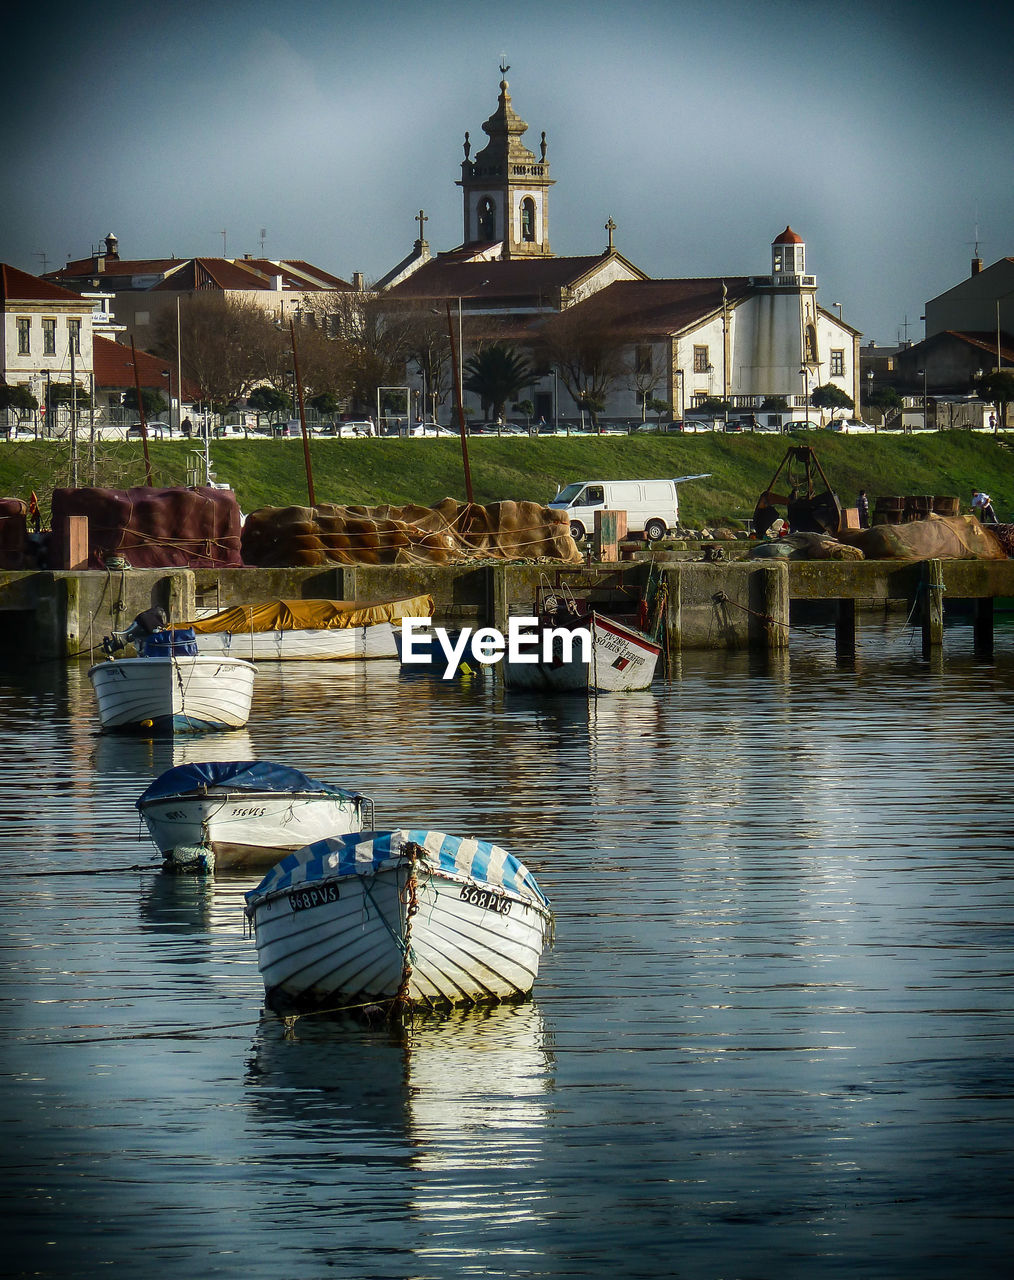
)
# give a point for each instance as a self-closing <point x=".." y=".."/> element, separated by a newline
<point x="169" y="687"/>
<point x="241" y="815"/>
<point x="403" y="919"/>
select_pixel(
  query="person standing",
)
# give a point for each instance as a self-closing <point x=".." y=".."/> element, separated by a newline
<point x="863" y="507"/>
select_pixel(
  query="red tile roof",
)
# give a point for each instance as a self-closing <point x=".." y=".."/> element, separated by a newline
<point x="986" y="343"/>
<point x="788" y="236"/>
<point x="19" y="286"/>
<point x="198" y="273"/>
<point x="657" y="308"/>
<point x="114" y="368"/>
<point x="449" y="277"/>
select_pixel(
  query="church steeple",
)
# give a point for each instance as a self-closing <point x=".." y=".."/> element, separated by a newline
<point x="505" y="187"/>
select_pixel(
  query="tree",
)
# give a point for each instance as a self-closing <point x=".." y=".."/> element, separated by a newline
<point x="269" y="400"/>
<point x="228" y="345"/>
<point x="885" y="400"/>
<point x="58" y="393"/>
<point x="831" y="397"/>
<point x="658" y="407"/>
<point x="153" y="401"/>
<point x="775" y="404"/>
<point x="997" y="388"/>
<point x="17" y="397"/>
<point x="528" y="409"/>
<point x="326" y="402"/>
<point x="588" y="356"/>
<point x="495" y="374"/>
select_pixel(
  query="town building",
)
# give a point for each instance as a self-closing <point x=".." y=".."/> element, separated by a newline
<point x="48" y="333"/>
<point x="143" y="289"/>
<point x="742" y="340"/>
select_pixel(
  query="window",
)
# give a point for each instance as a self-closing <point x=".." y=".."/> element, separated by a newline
<point x="24" y="335"/>
<point x="528" y="218"/>
<point x="49" y="337"/>
<point x="643" y="358"/>
<point x="837" y="364"/>
<point x="701" y="361"/>
<point x="487" y="218"/>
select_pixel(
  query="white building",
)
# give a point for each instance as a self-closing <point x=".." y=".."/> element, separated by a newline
<point x="47" y="334"/>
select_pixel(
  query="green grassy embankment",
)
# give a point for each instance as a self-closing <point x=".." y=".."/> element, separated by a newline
<point x="266" y="472"/>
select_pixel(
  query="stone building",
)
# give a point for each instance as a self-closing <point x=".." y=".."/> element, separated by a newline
<point x="738" y="339"/>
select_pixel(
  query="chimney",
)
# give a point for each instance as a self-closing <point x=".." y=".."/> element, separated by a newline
<point x="112" y="246"/>
<point x="357" y="281"/>
<point x="276" y="283"/>
<point x="976" y="266"/>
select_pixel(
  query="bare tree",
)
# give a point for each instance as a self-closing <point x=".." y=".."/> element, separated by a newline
<point x="588" y="356"/>
<point x="228" y="344"/>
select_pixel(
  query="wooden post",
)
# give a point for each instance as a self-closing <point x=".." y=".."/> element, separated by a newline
<point x="845" y="629"/>
<point x="932" y="606"/>
<point x="982" y="626"/>
<point x="610" y="529"/>
<point x="75" y="553"/>
<point x="770" y="602"/>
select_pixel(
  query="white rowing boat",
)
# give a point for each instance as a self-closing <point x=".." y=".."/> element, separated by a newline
<point x="170" y="688"/>
<point x="407" y="918"/>
<point x="243" y="815"/>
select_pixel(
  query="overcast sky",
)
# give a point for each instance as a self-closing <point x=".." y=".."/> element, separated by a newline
<point x="883" y="133"/>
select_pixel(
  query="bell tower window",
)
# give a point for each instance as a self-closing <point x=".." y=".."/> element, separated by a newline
<point x="487" y="219"/>
<point x="528" y="219"/>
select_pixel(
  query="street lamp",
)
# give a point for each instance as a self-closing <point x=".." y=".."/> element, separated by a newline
<point x="869" y="394"/>
<point x="838" y="305"/>
<point x="925" y="407"/>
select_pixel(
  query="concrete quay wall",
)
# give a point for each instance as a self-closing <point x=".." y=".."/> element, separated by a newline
<point x="726" y="605"/>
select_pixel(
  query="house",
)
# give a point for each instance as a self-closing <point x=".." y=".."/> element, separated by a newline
<point x="47" y="337"/>
<point x="144" y="289"/>
<point x="114" y="376"/>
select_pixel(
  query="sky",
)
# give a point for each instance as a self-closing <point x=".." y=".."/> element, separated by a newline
<point x="882" y="133"/>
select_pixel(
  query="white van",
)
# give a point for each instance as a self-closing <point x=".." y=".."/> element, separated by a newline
<point x="652" y="506"/>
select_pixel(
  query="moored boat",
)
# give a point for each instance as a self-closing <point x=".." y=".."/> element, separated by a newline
<point x="242" y="815"/>
<point x="613" y="658"/>
<point x="405" y="919"/>
<point x="169" y="687"/>
<point x="277" y="630"/>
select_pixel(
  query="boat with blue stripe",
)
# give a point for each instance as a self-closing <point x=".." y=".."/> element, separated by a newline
<point x="404" y="919"/>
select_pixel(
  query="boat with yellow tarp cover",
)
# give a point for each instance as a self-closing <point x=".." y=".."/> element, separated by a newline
<point x="309" y="629"/>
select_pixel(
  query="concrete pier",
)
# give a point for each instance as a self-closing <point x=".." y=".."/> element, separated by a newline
<point x="725" y="605"/>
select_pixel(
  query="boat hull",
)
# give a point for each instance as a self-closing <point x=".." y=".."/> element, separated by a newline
<point x="323" y="644"/>
<point x="621" y="660"/>
<point x="172" y="694"/>
<point x="352" y="940"/>
<point x="243" y="830"/>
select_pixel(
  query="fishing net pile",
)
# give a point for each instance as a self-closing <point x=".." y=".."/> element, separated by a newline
<point x="151" y="528"/>
<point x="448" y="533"/>
<point x="13" y="533"/>
<point x="935" y="538"/>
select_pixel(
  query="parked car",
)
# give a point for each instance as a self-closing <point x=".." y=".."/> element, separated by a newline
<point x="850" y="426"/>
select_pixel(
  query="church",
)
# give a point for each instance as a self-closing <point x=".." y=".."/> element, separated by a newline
<point x="740" y="339"/>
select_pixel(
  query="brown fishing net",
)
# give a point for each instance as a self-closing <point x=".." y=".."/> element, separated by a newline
<point x="447" y="533"/>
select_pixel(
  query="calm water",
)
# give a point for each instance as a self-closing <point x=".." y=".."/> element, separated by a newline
<point x="774" y="1037"/>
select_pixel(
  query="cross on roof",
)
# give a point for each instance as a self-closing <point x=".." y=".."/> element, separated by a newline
<point x="610" y="227"/>
<point x="421" y="218"/>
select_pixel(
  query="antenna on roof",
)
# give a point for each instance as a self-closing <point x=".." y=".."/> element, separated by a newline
<point x="264" y="236"/>
<point x="41" y="253"/>
<point x="222" y="233"/>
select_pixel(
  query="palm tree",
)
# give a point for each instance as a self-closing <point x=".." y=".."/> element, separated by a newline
<point x="496" y="374"/>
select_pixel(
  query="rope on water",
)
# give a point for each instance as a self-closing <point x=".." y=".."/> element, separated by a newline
<point x="85" y="871"/>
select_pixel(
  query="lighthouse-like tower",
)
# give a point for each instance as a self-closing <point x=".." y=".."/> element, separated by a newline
<point x="506" y="188"/>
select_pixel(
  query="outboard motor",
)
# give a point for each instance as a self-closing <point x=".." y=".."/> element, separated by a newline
<point x="145" y="624"/>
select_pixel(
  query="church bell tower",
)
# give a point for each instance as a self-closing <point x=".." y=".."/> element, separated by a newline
<point x="505" y="188"/>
